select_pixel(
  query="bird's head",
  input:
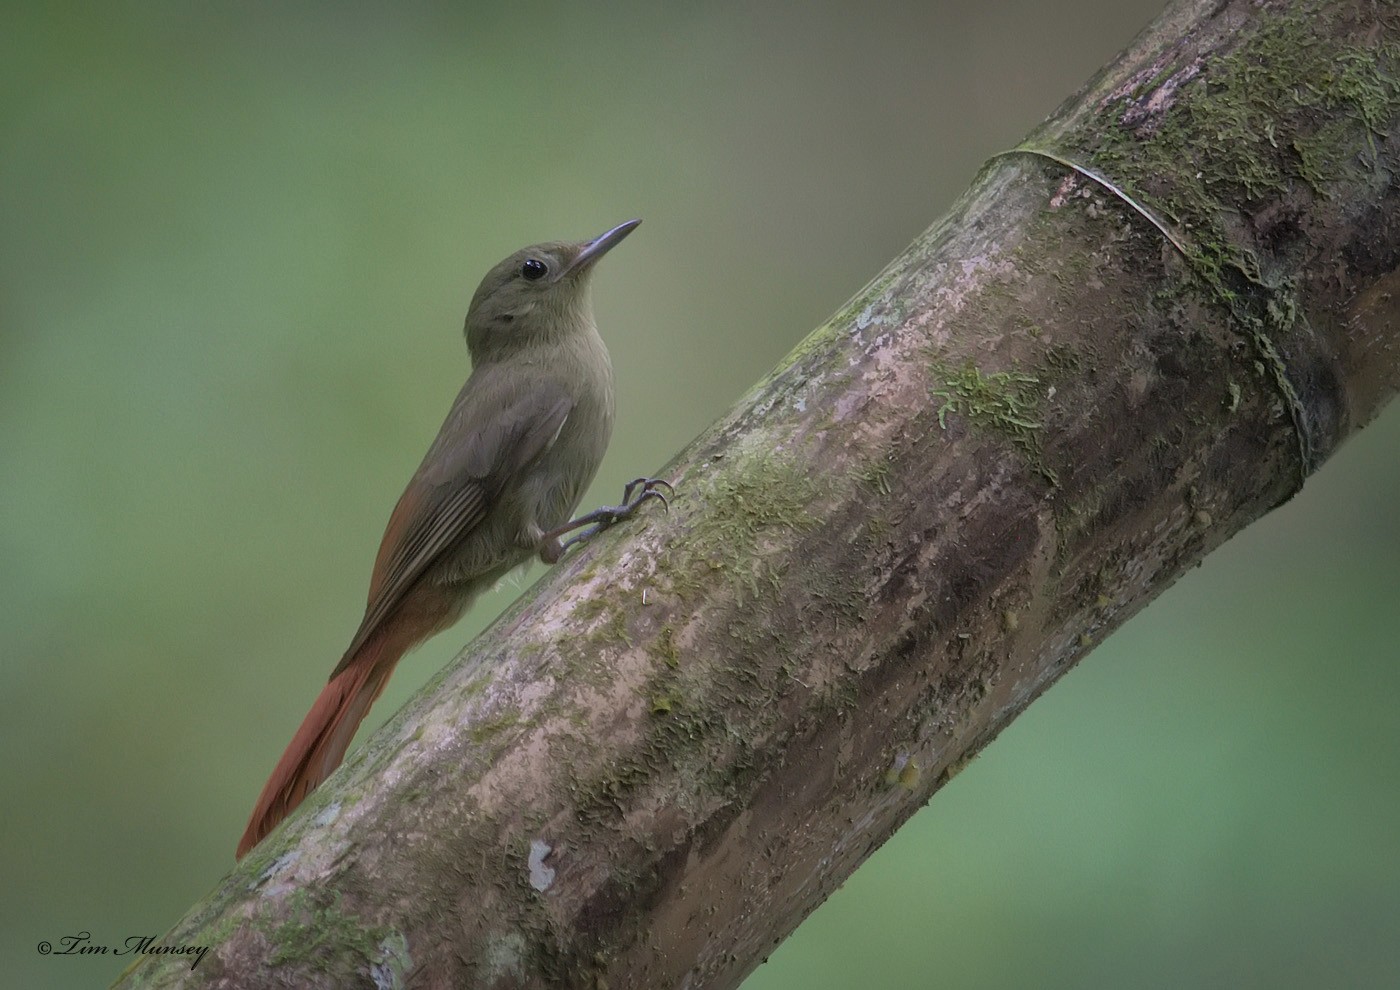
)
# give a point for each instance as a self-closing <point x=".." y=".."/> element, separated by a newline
<point x="538" y="294"/>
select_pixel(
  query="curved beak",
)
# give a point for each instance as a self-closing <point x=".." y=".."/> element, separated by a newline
<point x="599" y="246"/>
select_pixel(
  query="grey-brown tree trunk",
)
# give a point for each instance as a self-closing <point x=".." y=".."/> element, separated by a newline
<point x="655" y="765"/>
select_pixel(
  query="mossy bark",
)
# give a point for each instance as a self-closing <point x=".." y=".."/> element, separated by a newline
<point x="650" y="769"/>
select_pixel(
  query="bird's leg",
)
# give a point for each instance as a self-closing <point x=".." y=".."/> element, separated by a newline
<point x="592" y="523"/>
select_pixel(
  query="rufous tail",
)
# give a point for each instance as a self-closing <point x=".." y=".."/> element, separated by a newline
<point x="325" y="734"/>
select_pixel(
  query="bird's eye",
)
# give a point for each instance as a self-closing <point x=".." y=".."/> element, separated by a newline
<point x="534" y="269"/>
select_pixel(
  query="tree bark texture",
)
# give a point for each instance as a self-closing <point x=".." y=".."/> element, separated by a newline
<point x="1129" y="339"/>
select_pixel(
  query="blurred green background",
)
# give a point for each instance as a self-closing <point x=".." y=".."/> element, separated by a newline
<point x="236" y="244"/>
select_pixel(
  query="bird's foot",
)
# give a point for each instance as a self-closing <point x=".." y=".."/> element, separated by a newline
<point x="590" y="524"/>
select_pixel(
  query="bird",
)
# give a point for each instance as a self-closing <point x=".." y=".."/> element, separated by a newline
<point x="497" y="487"/>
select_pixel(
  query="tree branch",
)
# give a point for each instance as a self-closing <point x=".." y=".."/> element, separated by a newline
<point x="1096" y="369"/>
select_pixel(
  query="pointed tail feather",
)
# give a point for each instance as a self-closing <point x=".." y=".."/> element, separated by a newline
<point x="325" y="734"/>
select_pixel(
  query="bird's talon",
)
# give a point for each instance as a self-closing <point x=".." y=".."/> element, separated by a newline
<point x="651" y="487"/>
<point x="653" y="493"/>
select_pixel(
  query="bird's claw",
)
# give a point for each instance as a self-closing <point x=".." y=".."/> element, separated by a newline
<point x="651" y="488"/>
<point x="592" y="523"/>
